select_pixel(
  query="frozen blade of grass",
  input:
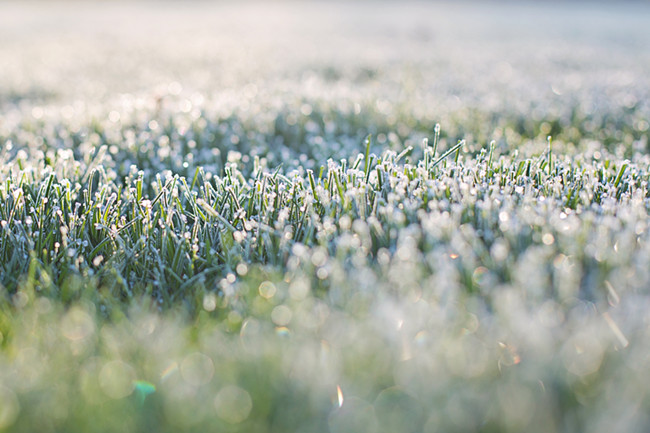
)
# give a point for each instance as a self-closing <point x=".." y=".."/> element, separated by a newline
<point x="233" y="198"/>
<point x="380" y="181"/>
<point x="357" y="162"/>
<point x="550" y="156"/>
<point x="196" y="177"/>
<point x="426" y="151"/>
<point x="213" y="213"/>
<point x="312" y="184"/>
<point x="458" y="152"/>
<point x="449" y="152"/>
<point x="367" y="154"/>
<point x="48" y="187"/>
<point x="368" y="169"/>
<point x="492" y="143"/>
<point x="18" y="196"/>
<point x="436" y="139"/>
<point x="96" y="161"/>
<point x="620" y="174"/>
<point x="339" y="188"/>
<point x="403" y="153"/>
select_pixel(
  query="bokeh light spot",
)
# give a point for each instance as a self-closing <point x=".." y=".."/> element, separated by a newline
<point x="267" y="289"/>
<point x="117" y="379"/>
<point x="77" y="324"/>
<point x="583" y="354"/>
<point x="209" y="302"/>
<point x="233" y="404"/>
<point x="281" y="315"/>
<point x="197" y="369"/>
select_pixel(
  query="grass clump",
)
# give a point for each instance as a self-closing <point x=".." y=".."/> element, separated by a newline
<point x="388" y="287"/>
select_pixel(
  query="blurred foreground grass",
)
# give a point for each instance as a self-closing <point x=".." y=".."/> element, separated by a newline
<point x="226" y="249"/>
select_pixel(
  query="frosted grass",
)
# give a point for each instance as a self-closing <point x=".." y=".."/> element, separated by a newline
<point x="208" y="239"/>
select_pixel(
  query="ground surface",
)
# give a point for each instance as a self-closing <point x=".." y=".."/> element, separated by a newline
<point x="221" y="217"/>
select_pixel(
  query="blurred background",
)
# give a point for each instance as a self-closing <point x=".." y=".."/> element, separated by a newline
<point x="480" y="69"/>
<point x="498" y="50"/>
<point x="449" y="62"/>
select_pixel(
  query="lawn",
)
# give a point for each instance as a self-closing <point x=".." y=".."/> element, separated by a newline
<point x="310" y="217"/>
